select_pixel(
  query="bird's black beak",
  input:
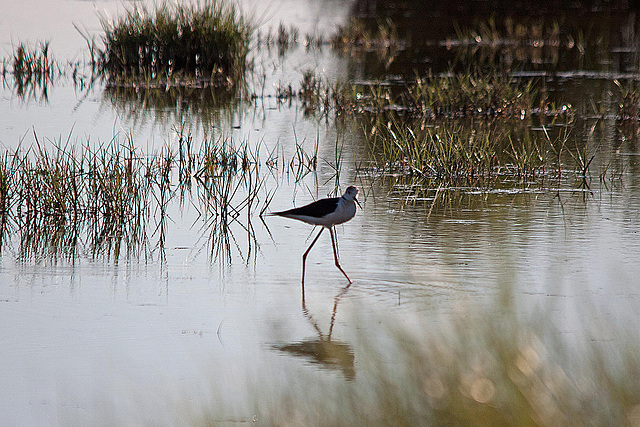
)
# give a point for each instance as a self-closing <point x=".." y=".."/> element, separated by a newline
<point x="357" y="202"/>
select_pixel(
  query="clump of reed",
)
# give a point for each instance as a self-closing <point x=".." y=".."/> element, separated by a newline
<point x="357" y="35"/>
<point x="509" y="44"/>
<point x="33" y="61"/>
<point x="205" y="42"/>
<point x="284" y="38"/>
<point x="32" y="68"/>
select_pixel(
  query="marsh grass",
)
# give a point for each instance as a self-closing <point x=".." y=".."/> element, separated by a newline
<point x="203" y="43"/>
<point x="511" y="42"/>
<point x="453" y="95"/>
<point x="453" y="151"/>
<point x="112" y="199"/>
<point x="284" y="38"/>
<point x="627" y="95"/>
<point x="62" y="197"/>
<point x="359" y="37"/>
<point x="303" y="162"/>
<point x="474" y="93"/>
<point x="33" y="70"/>
<point x="314" y="94"/>
<point x="353" y="38"/>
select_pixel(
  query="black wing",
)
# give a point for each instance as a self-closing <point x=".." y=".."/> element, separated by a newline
<point x="317" y="209"/>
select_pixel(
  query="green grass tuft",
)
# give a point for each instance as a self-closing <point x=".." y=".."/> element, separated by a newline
<point x="206" y="41"/>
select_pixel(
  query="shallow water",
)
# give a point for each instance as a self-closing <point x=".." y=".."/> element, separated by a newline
<point x="160" y="338"/>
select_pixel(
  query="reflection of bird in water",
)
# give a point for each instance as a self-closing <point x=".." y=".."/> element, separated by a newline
<point x="326" y="213"/>
<point x="324" y="351"/>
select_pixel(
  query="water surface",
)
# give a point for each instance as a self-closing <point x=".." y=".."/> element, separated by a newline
<point x="177" y="329"/>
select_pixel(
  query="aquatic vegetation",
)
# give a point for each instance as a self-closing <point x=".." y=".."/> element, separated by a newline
<point x="358" y="37"/>
<point x="628" y="96"/>
<point x="453" y="127"/>
<point x="461" y="95"/>
<point x="445" y="151"/>
<point x="513" y="42"/>
<point x="489" y="94"/>
<point x="228" y="199"/>
<point x="32" y="68"/>
<point x="534" y="32"/>
<point x="284" y="38"/>
<point x="62" y="198"/>
<point x="452" y="151"/>
<point x="109" y="194"/>
<point x="203" y="43"/>
<point x="312" y="92"/>
<point x="352" y="38"/>
<point x="33" y="62"/>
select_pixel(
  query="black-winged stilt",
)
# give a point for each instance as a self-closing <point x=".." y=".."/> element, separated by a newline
<point x="325" y="213"/>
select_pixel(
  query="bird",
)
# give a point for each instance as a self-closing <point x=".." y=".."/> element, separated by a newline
<point x="325" y="213"/>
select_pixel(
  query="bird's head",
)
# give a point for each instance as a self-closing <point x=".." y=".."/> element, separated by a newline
<point x="351" y="194"/>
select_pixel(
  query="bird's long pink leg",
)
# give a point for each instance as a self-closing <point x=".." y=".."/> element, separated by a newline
<point x="335" y="254"/>
<point x="304" y="257"/>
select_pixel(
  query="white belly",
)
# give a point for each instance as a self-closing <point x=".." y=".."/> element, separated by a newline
<point x="345" y="211"/>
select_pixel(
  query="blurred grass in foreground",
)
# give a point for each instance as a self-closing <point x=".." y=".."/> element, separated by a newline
<point x="473" y="368"/>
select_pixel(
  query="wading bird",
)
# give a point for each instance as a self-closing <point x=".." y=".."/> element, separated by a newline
<point x="325" y="213"/>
